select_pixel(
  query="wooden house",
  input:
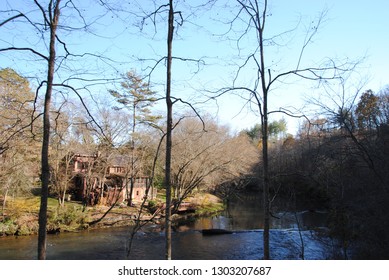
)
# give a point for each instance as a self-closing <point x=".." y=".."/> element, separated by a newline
<point x="95" y="181"/>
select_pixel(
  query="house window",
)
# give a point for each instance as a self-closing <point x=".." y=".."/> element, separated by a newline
<point x="118" y="169"/>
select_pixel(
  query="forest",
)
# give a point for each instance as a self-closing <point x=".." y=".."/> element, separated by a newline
<point x="72" y="115"/>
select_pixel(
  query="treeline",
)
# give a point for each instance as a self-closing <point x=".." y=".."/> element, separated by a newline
<point x="124" y="133"/>
<point x="339" y="163"/>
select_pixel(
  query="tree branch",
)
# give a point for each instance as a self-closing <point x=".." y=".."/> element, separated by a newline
<point x="11" y="19"/>
<point x="25" y="49"/>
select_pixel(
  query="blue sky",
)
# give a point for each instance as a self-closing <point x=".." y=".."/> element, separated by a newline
<point x="352" y="29"/>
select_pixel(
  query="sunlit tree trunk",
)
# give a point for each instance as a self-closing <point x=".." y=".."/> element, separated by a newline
<point x="45" y="176"/>
<point x="169" y="126"/>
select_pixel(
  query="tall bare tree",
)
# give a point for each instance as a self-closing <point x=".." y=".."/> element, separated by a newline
<point x="251" y="18"/>
<point x="42" y="19"/>
<point x="171" y="20"/>
<point x="169" y="128"/>
<point x="51" y="16"/>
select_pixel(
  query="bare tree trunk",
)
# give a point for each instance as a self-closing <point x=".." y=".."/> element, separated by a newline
<point x="66" y="182"/>
<point x="131" y="191"/>
<point x="4" y="201"/>
<point x="302" y="244"/>
<point x="45" y="177"/>
<point x="63" y="197"/>
<point x="266" y="183"/>
<point x="265" y="157"/>
<point x="169" y="126"/>
<point x="132" y="156"/>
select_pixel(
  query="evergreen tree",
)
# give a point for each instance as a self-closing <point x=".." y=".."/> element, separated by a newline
<point x="137" y="97"/>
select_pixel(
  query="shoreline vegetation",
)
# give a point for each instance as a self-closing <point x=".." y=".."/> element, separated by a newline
<point x="20" y="217"/>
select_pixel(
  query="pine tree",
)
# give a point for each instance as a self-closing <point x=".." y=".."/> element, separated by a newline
<point x="137" y="97"/>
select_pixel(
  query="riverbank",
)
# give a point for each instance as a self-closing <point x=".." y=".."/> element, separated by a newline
<point x="21" y="215"/>
<point x="293" y="236"/>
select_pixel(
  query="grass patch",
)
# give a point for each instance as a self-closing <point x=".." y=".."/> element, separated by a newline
<point x="206" y="204"/>
<point x="18" y="206"/>
<point x="21" y="216"/>
<point x="209" y="209"/>
<point x="68" y="218"/>
<point x="161" y="195"/>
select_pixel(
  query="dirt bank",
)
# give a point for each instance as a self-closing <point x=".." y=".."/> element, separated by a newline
<point x="21" y="215"/>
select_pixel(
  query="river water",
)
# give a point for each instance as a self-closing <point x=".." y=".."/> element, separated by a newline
<point x="292" y="237"/>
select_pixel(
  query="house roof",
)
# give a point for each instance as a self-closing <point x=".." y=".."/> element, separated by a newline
<point x="119" y="160"/>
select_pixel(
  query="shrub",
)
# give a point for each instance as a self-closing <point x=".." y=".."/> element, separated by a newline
<point x="8" y="227"/>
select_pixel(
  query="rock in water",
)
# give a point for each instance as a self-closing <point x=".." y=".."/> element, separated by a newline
<point x="215" y="231"/>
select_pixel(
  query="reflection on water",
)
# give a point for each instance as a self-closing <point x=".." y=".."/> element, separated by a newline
<point x="188" y="242"/>
<point x="282" y="220"/>
<point x="245" y="213"/>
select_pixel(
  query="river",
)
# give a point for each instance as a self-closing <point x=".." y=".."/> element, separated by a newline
<point x="288" y="239"/>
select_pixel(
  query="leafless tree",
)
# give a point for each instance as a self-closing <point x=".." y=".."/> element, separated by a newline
<point x="173" y="19"/>
<point x="204" y="159"/>
<point x="251" y="18"/>
<point x="49" y="50"/>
